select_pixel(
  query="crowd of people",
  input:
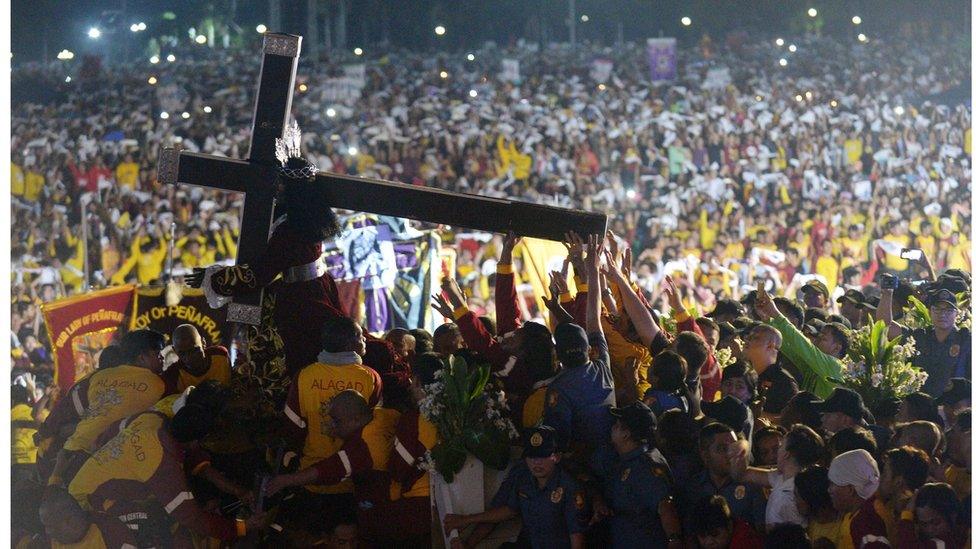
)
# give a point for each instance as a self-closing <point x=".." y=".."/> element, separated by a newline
<point x="786" y="202"/>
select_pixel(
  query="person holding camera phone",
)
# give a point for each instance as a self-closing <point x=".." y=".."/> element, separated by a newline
<point x="943" y="350"/>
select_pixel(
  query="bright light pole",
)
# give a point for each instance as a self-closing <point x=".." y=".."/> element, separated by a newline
<point x="439" y="30"/>
<point x="94" y="33"/>
<point x="856" y="20"/>
<point x="686" y="21"/>
<point x="812" y="12"/>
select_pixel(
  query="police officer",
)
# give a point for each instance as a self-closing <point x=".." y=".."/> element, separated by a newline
<point x="637" y="483"/>
<point x="551" y="504"/>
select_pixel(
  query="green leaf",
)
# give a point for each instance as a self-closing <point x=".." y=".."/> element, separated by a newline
<point x="490" y="446"/>
<point x="448" y="458"/>
<point x="920" y="309"/>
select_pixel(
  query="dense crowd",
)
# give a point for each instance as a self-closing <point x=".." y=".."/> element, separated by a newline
<point x="780" y="201"/>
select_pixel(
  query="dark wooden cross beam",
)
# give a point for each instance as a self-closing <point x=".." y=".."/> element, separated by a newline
<point x="256" y="177"/>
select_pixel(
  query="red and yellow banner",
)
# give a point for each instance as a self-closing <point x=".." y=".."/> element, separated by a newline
<point x="81" y="326"/>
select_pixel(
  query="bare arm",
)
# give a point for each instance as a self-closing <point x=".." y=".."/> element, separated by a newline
<point x="593" y="297"/>
<point x="885" y="313"/>
<point x="644" y="323"/>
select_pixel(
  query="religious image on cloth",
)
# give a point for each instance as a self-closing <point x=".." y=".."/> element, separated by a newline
<point x="392" y="264"/>
<point x="79" y="327"/>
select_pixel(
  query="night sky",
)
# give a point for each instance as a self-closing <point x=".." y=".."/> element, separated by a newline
<point x="408" y="23"/>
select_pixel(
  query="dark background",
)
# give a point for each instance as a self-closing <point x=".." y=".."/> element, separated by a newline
<point x="44" y="27"/>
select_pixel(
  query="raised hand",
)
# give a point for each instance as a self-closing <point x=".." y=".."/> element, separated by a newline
<point x="612" y="269"/>
<point x="194" y="279"/>
<point x="558" y="283"/>
<point x="594" y="251"/>
<point x="627" y="263"/>
<point x="671" y="292"/>
<point x="764" y="306"/>
<point x="453" y="291"/>
<point x="612" y="244"/>
<point x="442" y="306"/>
<point x="511" y="240"/>
<point x="574" y="246"/>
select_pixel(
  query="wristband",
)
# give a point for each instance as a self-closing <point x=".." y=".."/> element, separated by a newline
<point x="907" y="515"/>
<point x="460" y="311"/>
<point x="241" y="526"/>
<point x="565" y="297"/>
<point x="581" y="286"/>
<point x="504" y="269"/>
<point x="682" y="316"/>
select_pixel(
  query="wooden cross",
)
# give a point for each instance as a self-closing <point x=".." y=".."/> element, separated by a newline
<point x="256" y="178"/>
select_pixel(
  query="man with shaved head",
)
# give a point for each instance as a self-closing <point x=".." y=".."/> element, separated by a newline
<point x="196" y="363"/>
<point x="367" y="435"/>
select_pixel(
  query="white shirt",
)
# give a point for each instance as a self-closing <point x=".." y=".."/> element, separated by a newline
<point x="781" y="507"/>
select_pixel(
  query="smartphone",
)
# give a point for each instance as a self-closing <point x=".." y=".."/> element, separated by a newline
<point x="911" y="254"/>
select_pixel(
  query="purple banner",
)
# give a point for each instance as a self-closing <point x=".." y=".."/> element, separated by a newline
<point x="662" y="58"/>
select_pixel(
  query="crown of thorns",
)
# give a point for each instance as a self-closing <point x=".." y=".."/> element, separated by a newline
<point x="289" y="146"/>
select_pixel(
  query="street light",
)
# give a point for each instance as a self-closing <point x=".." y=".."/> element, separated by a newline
<point x="330" y="112"/>
<point x="207" y="109"/>
<point x="94" y="33"/>
<point x="171" y="58"/>
<point x="185" y="115"/>
<point x="137" y="27"/>
<point x="152" y="80"/>
<point x="782" y="62"/>
<point x="67" y="79"/>
<point x="473" y="93"/>
<point x="65" y="55"/>
<point x="164" y="115"/>
<point x="261" y="28"/>
<point x="862" y="37"/>
<point x="780" y="42"/>
<point x="201" y="39"/>
<point x="303" y="87"/>
<point x="856" y="20"/>
<point x="686" y="21"/>
<point x="792" y="48"/>
<point x="812" y="12"/>
<point x="470" y="57"/>
<point x="584" y="18"/>
<point x="353" y="151"/>
<point x="154" y="59"/>
<point x="439" y="30"/>
<point x="798" y="97"/>
<point x="443" y="74"/>
<point x="358" y="51"/>
<point x="899" y="110"/>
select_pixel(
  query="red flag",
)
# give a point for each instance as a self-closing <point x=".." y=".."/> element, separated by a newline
<point x="79" y="327"/>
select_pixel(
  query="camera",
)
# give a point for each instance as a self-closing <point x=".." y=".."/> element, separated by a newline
<point x="888" y="281"/>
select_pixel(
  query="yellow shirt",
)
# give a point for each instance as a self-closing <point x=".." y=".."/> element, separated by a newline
<point x="960" y="480"/>
<point x="853" y="148"/>
<point x="113" y="394"/>
<point x="894" y="262"/>
<point x="127" y="174"/>
<point x="533" y="407"/>
<point x="706" y="231"/>
<point x="927" y="244"/>
<point x="16" y="180"/>
<point x="22" y="430"/>
<point x="967" y="142"/>
<point x="828" y="530"/>
<point x="427" y="435"/>
<point x="829" y="268"/>
<point x="957" y="256"/>
<point x="314" y="387"/>
<point x="219" y="371"/>
<point x="33" y="184"/>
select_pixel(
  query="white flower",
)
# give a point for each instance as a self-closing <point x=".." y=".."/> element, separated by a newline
<point x="876" y="379"/>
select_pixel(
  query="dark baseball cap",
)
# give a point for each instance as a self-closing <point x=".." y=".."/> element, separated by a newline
<point x="845" y="401"/>
<point x="727" y="307"/>
<point x="729" y="411"/>
<point x="942" y="296"/>
<point x="959" y="273"/>
<point x="572" y="345"/>
<point x="816" y="286"/>
<point x="959" y="389"/>
<point x="638" y="418"/>
<point x="853" y="296"/>
<point x="540" y="442"/>
<point x="954" y="284"/>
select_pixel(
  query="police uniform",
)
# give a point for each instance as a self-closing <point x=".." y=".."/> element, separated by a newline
<point x="552" y="513"/>
<point x="746" y="501"/>
<point x="635" y="484"/>
<point x="579" y="399"/>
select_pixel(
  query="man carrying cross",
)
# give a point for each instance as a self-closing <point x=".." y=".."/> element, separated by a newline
<point x="306" y="296"/>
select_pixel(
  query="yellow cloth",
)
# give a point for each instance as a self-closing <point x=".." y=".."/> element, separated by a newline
<point x="967" y="142"/>
<point x="533" y="407"/>
<point x="127" y="174"/>
<point x="33" y="184"/>
<point x="828" y="530"/>
<point x="960" y="479"/>
<point x="844" y="539"/>
<point x="134" y="456"/>
<point x="853" y="148"/>
<point x="114" y="394"/>
<point x="829" y="268"/>
<point x="16" y="180"/>
<point x="92" y="540"/>
<point x="219" y="371"/>
<point x="22" y="430"/>
<point x="427" y="435"/>
<point x="894" y="261"/>
<point x="317" y="383"/>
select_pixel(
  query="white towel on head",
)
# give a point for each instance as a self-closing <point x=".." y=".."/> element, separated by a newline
<point x="858" y="469"/>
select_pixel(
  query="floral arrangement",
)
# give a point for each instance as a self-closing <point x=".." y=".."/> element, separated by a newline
<point x="879" y="368"/>
<point x="469" y="410"/>
<point x="723" y="357"/>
